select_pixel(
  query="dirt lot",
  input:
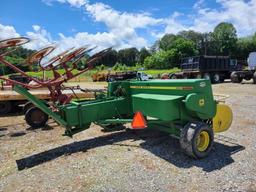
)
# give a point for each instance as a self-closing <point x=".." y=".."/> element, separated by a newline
<point x="44" y="160"/>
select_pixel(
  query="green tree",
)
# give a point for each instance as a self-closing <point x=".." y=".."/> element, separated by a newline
<point x="128" y="56"/>
<point x="162" y="60"/>
<point x="225" y="38"/>
<point x="109" y="59"/>
<point x="196" y="37"/>
<point x="143" y="54"/>
<point x="167" y="41"/>
<point x="245" y="45"/>
<point x="184" y="48"/>
<point x="159" y="60"/>
<point x="16" y="57"/>
<point x="155" y="47"/>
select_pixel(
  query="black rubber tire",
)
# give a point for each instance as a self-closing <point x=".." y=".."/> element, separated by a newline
<point x="207" y="76"/>
<point x="27" y="106"/>
<point x="199" y="76"/>
<point x="247" y="78"/>
<point x="36" y="118"/>
<point x="235" y="78"/>
<point x="222" y="79"/>
<point x="254" y="77"/>
<point x="216" y="78"/>
<point x="5" y="107"/>
<point x="188" y="139"/>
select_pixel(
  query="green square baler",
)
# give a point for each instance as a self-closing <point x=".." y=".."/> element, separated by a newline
<point x="185" y="109"/>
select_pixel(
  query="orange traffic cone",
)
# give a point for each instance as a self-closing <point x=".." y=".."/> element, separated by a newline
<point x="139" y="121"/>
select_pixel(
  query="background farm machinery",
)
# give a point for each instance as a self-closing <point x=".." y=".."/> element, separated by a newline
<point x="185" y="109"/>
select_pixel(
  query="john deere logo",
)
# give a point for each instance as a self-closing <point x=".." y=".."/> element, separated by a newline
<point x="201" y="102"/>
<point x="202" y="84"/>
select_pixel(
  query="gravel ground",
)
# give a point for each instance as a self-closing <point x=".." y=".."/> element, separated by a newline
<point x="44" y="160"/>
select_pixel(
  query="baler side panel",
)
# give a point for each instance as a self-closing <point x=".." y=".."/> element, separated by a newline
<point x="164" y="107"/>
<point x="202" y="106"/>
<point x="85" y="113"/>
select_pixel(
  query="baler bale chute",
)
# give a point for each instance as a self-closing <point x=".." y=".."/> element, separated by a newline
<point x="185" y="109"/>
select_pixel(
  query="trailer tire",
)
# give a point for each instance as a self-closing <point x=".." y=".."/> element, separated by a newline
<point x="5" y="107"/>
<point x="254" y="77"/>
<point x="199" y="76"/>
<point x="222" y="79"/>
<point x="216" y="78"/>
<point x="207" y="76"/>
<point x="36" y="118"/>
<point x="196" y="139"/>
<point x="235" y="78"/>
<point x="27" y="106"/>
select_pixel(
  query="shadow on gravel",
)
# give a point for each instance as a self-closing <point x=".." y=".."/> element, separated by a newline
<point x="16" y="112"/>
<point x="47" y="127"/>
<point x="17" y="134"/>
<point x="156" y="142"/>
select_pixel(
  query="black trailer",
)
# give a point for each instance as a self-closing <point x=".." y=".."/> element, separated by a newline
<point x="215" y="68"/>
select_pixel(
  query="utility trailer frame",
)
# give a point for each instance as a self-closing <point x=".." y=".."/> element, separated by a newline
<point x="9" y="99"/>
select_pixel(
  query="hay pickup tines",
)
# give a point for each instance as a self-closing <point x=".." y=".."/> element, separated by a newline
<point x="71" y="56"/>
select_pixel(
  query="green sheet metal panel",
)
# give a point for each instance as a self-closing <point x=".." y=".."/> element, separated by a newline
<point x="200" y="87"/>
<point x="71" y="115"/>
<point x="164" y="107"/>
<point x="199" y="103"/>
<point x="80" y="114"/>
<point x="171" y="87"/>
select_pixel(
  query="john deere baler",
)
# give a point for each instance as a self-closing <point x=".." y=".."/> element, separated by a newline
<point x="185" y="109"/>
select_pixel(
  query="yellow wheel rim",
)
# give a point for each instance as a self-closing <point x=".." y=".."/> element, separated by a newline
<point x="202" y="141"/>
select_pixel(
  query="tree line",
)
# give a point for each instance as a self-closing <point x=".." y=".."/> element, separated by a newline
<point x="167" y="52"/>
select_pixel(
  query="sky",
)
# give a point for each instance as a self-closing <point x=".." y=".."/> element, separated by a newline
<point x="118" y="23"/>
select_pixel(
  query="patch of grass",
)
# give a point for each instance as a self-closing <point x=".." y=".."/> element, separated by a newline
<point x="87" y="75"/>
<point x="49" y="74"/>
<point x="156" y="72"/>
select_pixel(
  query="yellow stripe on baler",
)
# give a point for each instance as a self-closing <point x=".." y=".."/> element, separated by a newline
<point x="162" y="88"/>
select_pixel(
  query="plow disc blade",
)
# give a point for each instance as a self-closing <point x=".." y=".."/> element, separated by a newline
<point x="223" y="118"/>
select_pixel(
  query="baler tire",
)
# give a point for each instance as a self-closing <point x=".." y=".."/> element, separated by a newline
<point x="5" y="107"/>
<point x="190" y="136"/>
<point x="36" y="118"/>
